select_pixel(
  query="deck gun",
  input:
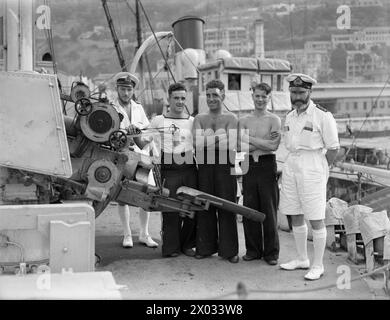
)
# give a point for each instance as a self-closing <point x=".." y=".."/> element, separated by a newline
<point x="104" y="166"/>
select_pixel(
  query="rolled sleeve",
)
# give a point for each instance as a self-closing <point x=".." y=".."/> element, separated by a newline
<point x="330" y="133"/>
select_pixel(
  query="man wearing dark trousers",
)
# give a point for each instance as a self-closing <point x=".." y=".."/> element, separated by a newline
<point x="215" y="139"/>
<point x="177" y="169"/>
<point x="260" y="135"/>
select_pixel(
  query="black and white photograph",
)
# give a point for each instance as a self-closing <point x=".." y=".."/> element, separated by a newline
<point x="194" y="156"/>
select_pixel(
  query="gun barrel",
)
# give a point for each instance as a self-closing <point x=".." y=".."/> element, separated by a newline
<point x="220" y="203"/>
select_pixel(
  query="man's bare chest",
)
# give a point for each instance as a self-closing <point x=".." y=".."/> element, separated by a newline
<point x="258" y="127"/>
<point x="215" y="123"/>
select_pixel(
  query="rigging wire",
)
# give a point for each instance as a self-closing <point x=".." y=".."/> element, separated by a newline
<point x="144" y="89"/>
<point x="49" y="38"/>
<point x="154" y="34"/>
<point x="151" y="79"/>
<point x="365" y="119"/>
<point x="292" y="34"/>
<point x="197" y="69"/>
<point x="130" y="8"/>
<point x="373" y="106"/>
<point x="181" y="48"/>
<point x="119" y="19"/>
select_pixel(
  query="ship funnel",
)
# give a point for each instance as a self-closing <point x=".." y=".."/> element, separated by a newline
<point x="188" y="32"/>
<point x="189" y="48"/>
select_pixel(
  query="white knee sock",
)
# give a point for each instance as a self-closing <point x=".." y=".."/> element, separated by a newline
<point x="124" y="214"/>
<point x="319" y="243"/>
<point x="143" y="222"/>
<point x="300" y="236"/>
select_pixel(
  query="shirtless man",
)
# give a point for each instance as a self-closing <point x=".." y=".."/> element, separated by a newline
<point x="260" y="134"/>
<point x="215" y="134"/>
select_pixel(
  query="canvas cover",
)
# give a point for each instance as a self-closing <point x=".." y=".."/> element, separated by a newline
<point x="250" y="64"/>
<point x="32" y="129"/>
<point x="351" y="217"/>
<point x="334" y="211"/>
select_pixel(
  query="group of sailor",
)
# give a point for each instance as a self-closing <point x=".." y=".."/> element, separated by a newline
<point x="201" y="155"/>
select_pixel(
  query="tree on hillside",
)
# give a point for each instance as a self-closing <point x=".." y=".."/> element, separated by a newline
<point x="338" y="62"/>
<point x="90" y="71"/>
<point x="73" y="34"/>
<point x="382" y="51"/>
<point x="338" y="59"/>
<point x="73" y="56"/>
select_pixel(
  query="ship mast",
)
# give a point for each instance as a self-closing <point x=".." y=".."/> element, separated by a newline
<point x="19" y="35"/>
<point x="139" y="37"/>
<point x="114" y="36"/>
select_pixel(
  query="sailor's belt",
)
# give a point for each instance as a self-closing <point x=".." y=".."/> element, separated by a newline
<point x="261" y="157"/>
<point x="304" y="151"/>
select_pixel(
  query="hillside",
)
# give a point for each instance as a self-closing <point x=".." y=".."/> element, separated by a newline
<point x="73" y="18"/>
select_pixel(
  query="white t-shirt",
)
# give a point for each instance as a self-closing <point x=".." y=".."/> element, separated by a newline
<point x="170" y="141"/>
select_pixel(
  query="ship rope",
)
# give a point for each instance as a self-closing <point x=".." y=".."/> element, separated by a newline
<point x="242" y="292"/>
<point x="158" y="43"/>
<point x="49" y="38"/>
<point x="151" y="78"/>
<point x="197" y="69"/>
<point x="374" y="105"/>
<point x="154" y="77"/>
<point x="130" y="8"/>
<point x="292" y="33"/>
<point x="118" y="11"/>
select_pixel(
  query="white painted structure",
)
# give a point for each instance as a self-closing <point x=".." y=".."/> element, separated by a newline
<point x="238" y="74"/>
<point x="353" y="99"/>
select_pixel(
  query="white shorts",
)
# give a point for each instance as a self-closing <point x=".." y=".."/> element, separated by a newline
<point x="304" y="178"/>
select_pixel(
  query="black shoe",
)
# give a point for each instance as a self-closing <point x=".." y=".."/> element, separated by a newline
<point x="272" y="262"/>
<point x="172" y="255"/>
<point x="249" y="258"/>
<point x="189" y="252"/>
<point x="233" y="259"/>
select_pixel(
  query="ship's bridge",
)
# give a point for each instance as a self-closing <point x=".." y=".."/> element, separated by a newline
<point x="238" y="73"/>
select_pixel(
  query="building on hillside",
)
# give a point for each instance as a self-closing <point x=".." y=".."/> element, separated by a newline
<point x="280" y="9"/>
<point x="296" y="57"/>
<point x="366" y="37"/>
<point x="363" y="3"/>
<point x="236" y="40"/>
<point x="235" y="17"/>
<point x="361" y="63"/>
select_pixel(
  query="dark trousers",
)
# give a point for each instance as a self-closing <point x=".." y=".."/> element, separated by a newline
<point x="217" y="234"/>
<point x="178" y="233"/>
<point x="261" y="192"/>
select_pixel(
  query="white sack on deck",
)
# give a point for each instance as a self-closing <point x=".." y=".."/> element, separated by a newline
<point x="351" y="217"/>
<point x="334" y="211"/>
<point x="375" y="225"/>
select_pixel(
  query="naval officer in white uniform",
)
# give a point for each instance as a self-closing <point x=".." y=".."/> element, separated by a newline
<point x="134" y="117"/>
<point x="311" y="137"/>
